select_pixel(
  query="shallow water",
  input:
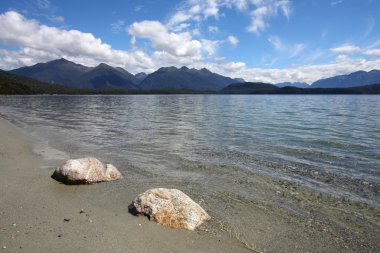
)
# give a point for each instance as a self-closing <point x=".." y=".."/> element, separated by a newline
<point x="338" y="135"/>
<point x="327" y="144"/>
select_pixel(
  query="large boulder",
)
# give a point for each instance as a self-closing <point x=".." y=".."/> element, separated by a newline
<point x="86" y="171"/>
<point x="171" y="208"/>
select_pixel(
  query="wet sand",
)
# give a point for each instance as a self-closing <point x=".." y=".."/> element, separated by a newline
<point x="251" y="212"/>
<point x="33" y="209"/>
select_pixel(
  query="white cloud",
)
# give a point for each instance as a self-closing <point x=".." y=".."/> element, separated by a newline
<point x="372" y="52"/>
<point x="277" y="43"/>
<point x="265" y="10"/>
<point x="342" y="58"/>
<point x="43" y="4"/>
<point x="296" y="49"/>
<point x="195" y="10"/>
<point x="304" y="73"/>
<point x="213" y="29"/>
<point x="196" y="32"/>
<point x="260" y="11"/>
<point x="177" y="44"/>
<point x="39" y="42"/>
<point x="118" y="26"/>
<point x="58" y="19"/>
<point x="291" y="50"/>
<point x="138" y="8"/>
<point x="233" y="40"/>
<point x="210" y="47"/>
<point x="180" y="27"/>
<point x="336" y="2"/>
<point x="346" y="49"/>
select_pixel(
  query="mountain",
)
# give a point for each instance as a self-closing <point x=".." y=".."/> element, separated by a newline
<point x="104" y="75"/>
<point x="14" y="84"/>
<point x="295" y="84"/>
<point x="141" y="76"/>
<point x="359" y="78"/>
<point x="185" y="78"/>
<point x="239" y="80"/>
<point x="248" y="88"/>
<point x="59" y="71"/>
<point x="75" y="75"/>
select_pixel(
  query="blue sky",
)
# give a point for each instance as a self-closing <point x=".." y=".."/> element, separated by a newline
<point x="259" y="40"/>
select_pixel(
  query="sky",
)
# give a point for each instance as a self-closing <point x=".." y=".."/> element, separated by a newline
<point x="258" y="40"/>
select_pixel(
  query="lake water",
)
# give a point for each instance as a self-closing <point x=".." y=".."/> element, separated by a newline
<point x="338" y="135"/>
<point x="328" y="144"/>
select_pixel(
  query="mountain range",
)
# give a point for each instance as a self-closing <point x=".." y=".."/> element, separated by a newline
<point x="359" y="78"/>
<point x="12" y="84"/>
<point x="103" y="76"/>
<point x="75" y="75"/>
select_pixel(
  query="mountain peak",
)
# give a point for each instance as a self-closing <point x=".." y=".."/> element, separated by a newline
<point x="168" y="69"/>
<point x="204" y="70"/>
<point x="184" y="68"/>
<point x="103" y="65"/>
<point x="60" y="61"/>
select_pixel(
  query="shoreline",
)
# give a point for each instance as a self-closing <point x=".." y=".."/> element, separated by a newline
<point x="279" y="216"/>
<point x="33" y="208"/>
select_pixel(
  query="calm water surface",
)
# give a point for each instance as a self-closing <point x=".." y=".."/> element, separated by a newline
<point x="328" y="143"/>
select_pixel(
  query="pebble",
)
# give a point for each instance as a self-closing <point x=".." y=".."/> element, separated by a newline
<point x="67" y="220"/>
<point x="14" y="224"/>
<point x="81" y="211"/>
<point x="4" y="247"/>
<point x="59" y="235"/>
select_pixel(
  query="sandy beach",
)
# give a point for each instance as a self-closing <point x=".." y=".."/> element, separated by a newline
<point x="39" y="214"/>
<point x="33" y="209"/>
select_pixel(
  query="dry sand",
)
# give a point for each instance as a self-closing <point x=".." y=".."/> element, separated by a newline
<point x="38" y="214"/>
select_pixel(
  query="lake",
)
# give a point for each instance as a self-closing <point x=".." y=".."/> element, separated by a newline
<point x="221" y="145"/>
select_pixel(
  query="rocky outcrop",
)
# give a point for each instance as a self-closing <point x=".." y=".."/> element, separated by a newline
<point x="171" y="208"/>
<point x="86" y="171"/>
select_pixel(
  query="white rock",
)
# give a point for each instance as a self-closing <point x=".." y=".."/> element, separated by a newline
<point x="171" y="208"/>
<point x="86" y="171"/>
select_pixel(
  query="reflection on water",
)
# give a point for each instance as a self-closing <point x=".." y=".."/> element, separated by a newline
<point x="327" y="142"/>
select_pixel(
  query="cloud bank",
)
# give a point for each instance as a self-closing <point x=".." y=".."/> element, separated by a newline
<point x="27" y="42"/>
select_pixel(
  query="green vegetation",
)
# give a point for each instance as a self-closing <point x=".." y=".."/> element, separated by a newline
<point x="12" y="84"/>
<point x="263" y="88"/>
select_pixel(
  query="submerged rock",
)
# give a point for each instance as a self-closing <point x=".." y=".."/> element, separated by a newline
<point x="86" y="171"/>
<point x="171" y="208"/>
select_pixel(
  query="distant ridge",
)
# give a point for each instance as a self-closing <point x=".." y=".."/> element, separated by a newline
<point x="359" y="78"/>
<point x="248" y="88"/>
<point x="185" y="78"/>
<point x="264" y="88"/>
<point x="295" y="84"/>
<point x="70" y="74"/>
